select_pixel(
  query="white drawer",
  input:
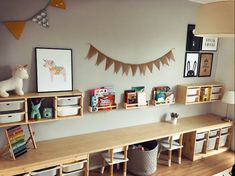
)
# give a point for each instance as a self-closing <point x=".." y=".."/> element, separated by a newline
<point x="224" y="130"/>
<point x="200" y="136"/>
<point x="216" y="89"/>
<point x="70" y="167"/>
<point x="215" y="96"/>
<point x="213" y="133"/>
<point x="191" y="99"/>
<point x="192" y="91"/>
<point x="46" y="172"/>
<point x="9" y="118"/>
<point x="68" y="110"/>
<point x="11" y="105"/>
<point x="75" y="173"/>
<point x="66" y="101"/>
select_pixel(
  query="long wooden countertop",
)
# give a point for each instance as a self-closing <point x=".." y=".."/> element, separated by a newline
<point x="54" y="151"/>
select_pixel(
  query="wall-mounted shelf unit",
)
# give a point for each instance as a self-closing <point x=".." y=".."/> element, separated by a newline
<point x="16" y="110"/>
<point x="162" y="96"/>
<point x="135" y="105"/>
<point x="102" y="108"/>
<point x="199" y="93"/>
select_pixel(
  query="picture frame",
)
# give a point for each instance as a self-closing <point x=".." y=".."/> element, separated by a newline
<point x="209" y="43"/>
<point x="53" y="69"/>
<point x="205" y="66"/>
<point x="193" y="43"/>
<point x="191" y="64"/>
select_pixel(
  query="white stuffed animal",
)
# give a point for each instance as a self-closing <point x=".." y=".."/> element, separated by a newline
<point x="15" y="82"/>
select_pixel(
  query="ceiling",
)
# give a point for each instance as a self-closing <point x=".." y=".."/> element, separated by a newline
<point x="206" y="1"/>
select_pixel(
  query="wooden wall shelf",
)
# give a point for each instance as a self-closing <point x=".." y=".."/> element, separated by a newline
<point x="103" y="108"/>
<point x="134" y="105"/>
<point x="156" y="103"/>
<point x="9" y="107"/>
<point x="199" y="93"/>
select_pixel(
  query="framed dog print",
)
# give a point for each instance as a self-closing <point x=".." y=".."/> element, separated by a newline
<point x="205" y="65"/>
<point x="54" y="69"/>
<point x="191" y="64"/>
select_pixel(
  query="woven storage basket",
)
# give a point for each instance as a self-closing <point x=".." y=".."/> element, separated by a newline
<point x="143" y="163"/>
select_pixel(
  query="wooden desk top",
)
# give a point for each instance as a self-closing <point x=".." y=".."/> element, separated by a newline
<point x="53" y="152"/>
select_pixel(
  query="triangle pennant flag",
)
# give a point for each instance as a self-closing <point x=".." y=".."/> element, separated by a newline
<point x="134" y="69"/>
<point x="164" y="60"/>
<point x="41" y="19"/>
<point x="117" y="66"/>
<point x="125" y="68"/>
<point x="100" y="58"/>
<point x="92" y="51"/>
<point x="142" y="68"/>
<point x="150" y="66"/>
<point x="157" y="64"/>
<point x="170" y="55"/>
<point x="16" y="28"/>
<point x="109" y="62"/>
<point x="58" y="4"/>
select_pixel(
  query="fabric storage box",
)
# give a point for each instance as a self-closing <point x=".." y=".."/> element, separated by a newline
<point x="211" y="143"/>
<point x="191" y="99"/>
<point x="46" y="172"/>
<point x="143" y="163"/>
<point x="67" y="101"/>
<point x="199" y="146"/>
<point x="192" y="91"/>
<point x="200" y="135"/>
<point x="11" y="105"/>
<point x="13" y="117"/>
<point x="68" y="110"/>
<point x="223" y="139"/>
<point x="216" y="89"/>
<point x="213" y="133"/>
<point x="224" y="131"/>
<point x="70" y="167"/>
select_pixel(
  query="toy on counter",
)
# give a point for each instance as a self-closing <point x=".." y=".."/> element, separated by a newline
<point x="35" y="108"/>
<point x="163" y="95"/>
<point x="15" y="82"/>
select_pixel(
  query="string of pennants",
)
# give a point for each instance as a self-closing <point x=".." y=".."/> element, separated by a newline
<point x="126" y="67"/>
<point x="40" y="18"/>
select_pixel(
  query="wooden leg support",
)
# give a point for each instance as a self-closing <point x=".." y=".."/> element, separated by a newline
<point x="103" y="167"/>
<point x="124" y="168"/>
<point x="169" y="157"/>
<point x="179" y="155"/>
<point x="111" y="170"/>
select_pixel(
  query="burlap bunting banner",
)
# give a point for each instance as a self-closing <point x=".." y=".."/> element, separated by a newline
<point x="126" y="67"/>
<point x="41" y="18"/>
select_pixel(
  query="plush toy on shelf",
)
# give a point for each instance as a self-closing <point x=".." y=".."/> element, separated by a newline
<point x="15" y="82"/>
<point x="35" y="108"/>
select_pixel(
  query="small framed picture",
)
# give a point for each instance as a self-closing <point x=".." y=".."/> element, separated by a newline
<point x="209" y="43"/>
<point x="205" y="65"/>
<point x="191" y="64"/>
<point x="54" y="69"/>
<point x="193" y="43"/>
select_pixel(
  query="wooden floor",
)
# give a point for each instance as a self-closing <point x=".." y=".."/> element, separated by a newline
<point x="204" y="167"/>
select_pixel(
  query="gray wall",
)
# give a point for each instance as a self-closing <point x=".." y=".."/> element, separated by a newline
<point x="134" y="31"/>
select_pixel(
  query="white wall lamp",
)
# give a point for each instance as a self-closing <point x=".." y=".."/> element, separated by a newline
<point x="228" y="99"/>
<point x="215" y="19"/>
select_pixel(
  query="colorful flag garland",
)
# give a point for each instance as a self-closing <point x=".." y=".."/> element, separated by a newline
<point x="41" y="18"/>
<point x="126" y="67"/>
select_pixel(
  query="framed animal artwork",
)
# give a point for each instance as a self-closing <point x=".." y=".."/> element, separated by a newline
<point x="191" y="64"/>
<point x="54" y="69"/>
<point x="205" y="65"/>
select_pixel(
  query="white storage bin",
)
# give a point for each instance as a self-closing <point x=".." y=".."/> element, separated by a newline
<point x="191" y="99"/>
<point x="70" y="167"/>
<point x="13" y="117"/>
<point x="216" y="89"/>
<point x="193" y="91"/>
<point x="223" y="139"/>
<point x="68" y="110"/>
<point x="46" y="172"/>
<point x="75" y="173"/>
<point x="211" y="143"/>
<point x="11" y="105"/>
<point x="213" y="133"/>
<point x="224" y="130"/>
<point x="67" y="101"/>
<point x="215" y="96"/>
<point x="200" y="136"/>
<point x="199" y="146"/>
